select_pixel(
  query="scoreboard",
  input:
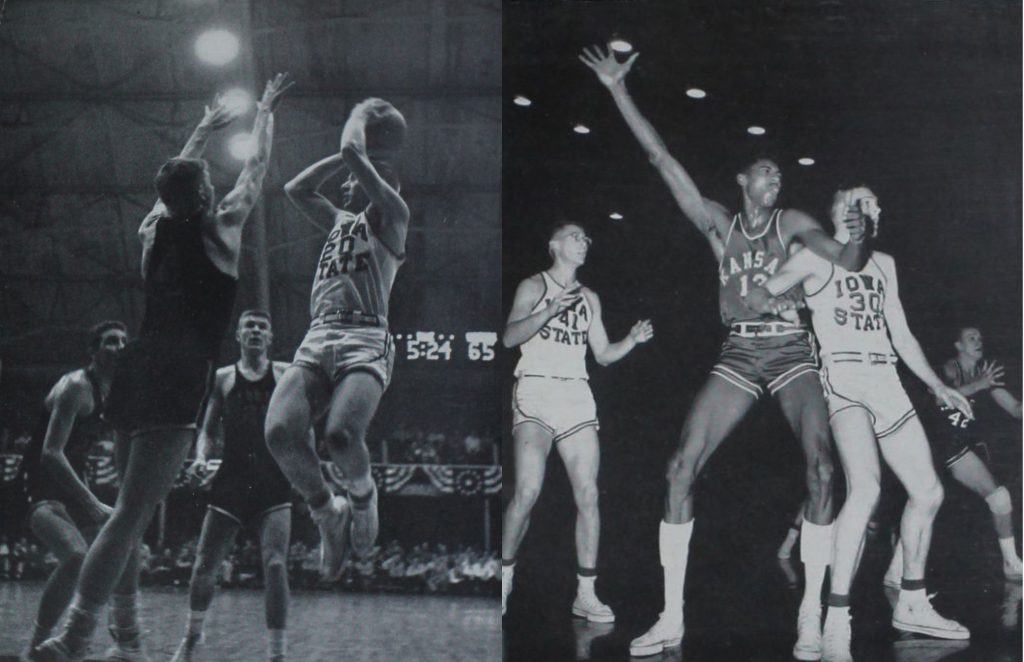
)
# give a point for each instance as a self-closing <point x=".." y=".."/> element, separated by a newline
<point x="472" y="347"/>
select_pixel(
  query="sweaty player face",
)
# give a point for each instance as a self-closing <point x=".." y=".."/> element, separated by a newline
<point x="254" y="333"/>
<point x="971" y="343"/>
<point x="762" y="182"/>
<point x="571" y="244"/>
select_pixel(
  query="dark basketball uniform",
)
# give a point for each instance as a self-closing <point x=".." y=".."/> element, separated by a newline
<point x="761" y="350"/>
<point x="248" y="483"/>
<point x="951" y="433"/>
<point x="36" y="483"/>
<point x="164" y="375"/>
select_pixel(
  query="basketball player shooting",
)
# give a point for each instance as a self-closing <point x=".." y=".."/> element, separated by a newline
<point x="762" y="351"/>
<point x="344" y="363"/>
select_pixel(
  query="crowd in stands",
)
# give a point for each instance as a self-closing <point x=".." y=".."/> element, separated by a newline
<point x="422" y="568"/>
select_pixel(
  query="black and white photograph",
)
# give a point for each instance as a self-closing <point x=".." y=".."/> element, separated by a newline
<point x="250" y="283"/>
<point x="761" y="269"/>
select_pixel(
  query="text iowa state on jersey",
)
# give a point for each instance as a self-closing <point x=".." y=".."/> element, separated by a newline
<point x="565" y="328"/>
<point x="345" y="251"/>
<point x="865" y="295"/>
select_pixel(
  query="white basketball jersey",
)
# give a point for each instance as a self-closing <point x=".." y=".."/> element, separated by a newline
<point x="559" y="349"/>
<point x="848" y="311"/>
<point x="356" y="270"/>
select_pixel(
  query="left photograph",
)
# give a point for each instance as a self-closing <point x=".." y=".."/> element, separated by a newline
<point x="250" y="291"/>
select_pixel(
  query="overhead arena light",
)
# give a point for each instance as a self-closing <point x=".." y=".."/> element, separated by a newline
<point x="620" y="46"/>
<point x="696" y="93"/>
<point x="217" y="47"/>
<point x="242" y="146"/>
<point x="755" y="130"/>
<point x="520" y="100"/>
<point x="805" y="161"/>
<point x="581" y="129"/>
<point x="237" y="100"/>
<point x="615" y="216"/>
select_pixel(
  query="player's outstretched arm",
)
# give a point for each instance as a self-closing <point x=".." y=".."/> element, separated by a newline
<point x="235" y="207"/>
<point x="803" y="266"/>
<point x="392" y="220"/>
<point x="907" y="346"/>
<point x="522" y="323"/>
<point x="991" y="376"/>
<point x="303" y="190"/>
<point x="1005" y="399"/>
<point x="709" y="217"/>
<point x="212" y="430"/>
<point x="215" y="116"/>
<point x="852" y="255"/>
<point x="71" y="398"/>
<point x="605" y="352"/>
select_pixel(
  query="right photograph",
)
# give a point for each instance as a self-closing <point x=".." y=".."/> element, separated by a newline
<point x="761" y="273"/>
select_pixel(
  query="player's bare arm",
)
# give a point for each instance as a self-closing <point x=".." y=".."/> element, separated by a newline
<point x="989" y="377"/>
<point x="212" y="429"/>
<point x="907" y="346"/>
<point x="236" y="205"/>
<point x="1007" y="402"/>
<point x="605" y="352"/>
<point x="390" y="221"/>
<point x="72" y="398"/>
<point x="304" y="190"/>
<point x="852" y="255"/>
<point x="522" y="323"/>
<point x="711" y="218"/>
<point x="803" y="267"/>
<point x="215" y="116"/>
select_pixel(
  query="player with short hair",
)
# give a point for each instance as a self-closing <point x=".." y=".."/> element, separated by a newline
<point x="764" y="351"/>
<point x="859" y="321"/>
<point x="63" y="512"/>
<point x="955" y="437"/>
<point x="344" y="363"/>
<point x="190" y="255"/>
<point x="553" y="321"/>
<point x="248" y="489"/>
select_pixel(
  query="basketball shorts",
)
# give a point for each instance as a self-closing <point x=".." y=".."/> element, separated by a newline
<point x="952" y="435"/>
<point x="766" y="362"/>
<point x="247" y="501"/>
<point x="563" y="407"/>
<point x="334" y="350"/>
<point x="157" y="384"/>
<point x="873" y="387"/>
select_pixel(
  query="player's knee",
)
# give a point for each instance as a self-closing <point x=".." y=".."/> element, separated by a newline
<point x="999" y="501"/>
<point x="680" y="473"/>
<point x="526" y="495"/>
<point x="275" y="564"/>
<point x="74" y="557"/>
<point x="344" y="435"/>
<point x="819" y="473"/>
<point x="586" y="498"/>
<point x="204" y="567"/>
<point x="865" y="494"/>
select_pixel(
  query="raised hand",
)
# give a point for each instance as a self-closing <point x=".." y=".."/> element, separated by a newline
<point x="642" y="331"/>
<point x="991" y="374"/>
<point x="855" y="224"/>
<point x="217" y="115"/>
<point x="608" y="69"/>
<point x="954" y="399"/>
<point x="565" y="299"/>
<point x="276" y="86"/>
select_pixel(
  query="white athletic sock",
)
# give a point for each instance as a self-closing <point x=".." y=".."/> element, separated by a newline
<point x="911" y="596"/>
<point x="124" y="612"/>
<point x="585" y="584"/>
<point x="1009" y="548"/>
<point x="195" y="623"/>
<point x="277" y="641"/>
<point x="674" y="547"/>
<point x="816" y="553"/>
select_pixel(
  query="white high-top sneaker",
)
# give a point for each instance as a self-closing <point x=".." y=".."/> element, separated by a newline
<point x="666" y="633"/>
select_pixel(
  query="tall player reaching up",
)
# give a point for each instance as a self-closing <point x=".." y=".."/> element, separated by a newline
<point x="553" y="320"/>
<point x="859" y="321"/>
<point x="190" y="255"/>
<point x="345" y="361"/>
<point x="762" y="351"/>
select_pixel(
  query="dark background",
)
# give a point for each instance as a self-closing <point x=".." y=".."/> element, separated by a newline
<point x="920" y="100"/>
